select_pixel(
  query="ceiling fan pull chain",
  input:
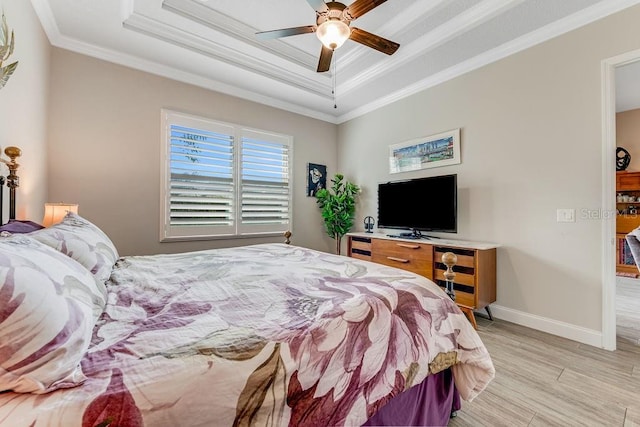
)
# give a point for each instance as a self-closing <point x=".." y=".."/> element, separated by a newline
<point x="335" y="74"/>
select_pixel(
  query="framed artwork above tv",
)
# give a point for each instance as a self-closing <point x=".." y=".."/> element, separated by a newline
<point x="442" y="149"/>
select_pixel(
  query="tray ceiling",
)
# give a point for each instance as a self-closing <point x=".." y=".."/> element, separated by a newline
<point x="212" y="43"/>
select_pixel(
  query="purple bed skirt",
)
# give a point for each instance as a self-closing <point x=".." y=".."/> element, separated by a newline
<point x="429" y="403"/>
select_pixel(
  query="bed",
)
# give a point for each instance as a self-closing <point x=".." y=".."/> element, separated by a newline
<point x="267" y="334"/>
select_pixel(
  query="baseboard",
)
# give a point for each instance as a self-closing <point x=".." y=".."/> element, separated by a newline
<point x="544" y="324"/>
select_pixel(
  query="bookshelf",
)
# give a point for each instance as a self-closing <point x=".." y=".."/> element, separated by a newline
<point x="625" y="264"/>
<point x="627" y="219"/>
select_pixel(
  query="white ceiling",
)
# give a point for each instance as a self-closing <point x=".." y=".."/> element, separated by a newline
<point x="212" y="43"/>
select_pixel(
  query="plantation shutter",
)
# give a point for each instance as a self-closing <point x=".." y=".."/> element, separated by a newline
<point x="265" y="189"/>
<point x="220" y="180"/>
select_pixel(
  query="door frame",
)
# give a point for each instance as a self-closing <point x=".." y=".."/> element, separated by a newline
<point x="609" y="66"/>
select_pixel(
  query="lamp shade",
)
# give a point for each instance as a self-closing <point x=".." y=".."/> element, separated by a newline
<point x="55" y="212"/>
<point x="333" y="33"/>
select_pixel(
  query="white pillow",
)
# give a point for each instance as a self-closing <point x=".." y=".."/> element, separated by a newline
<point x="84" y="242"/>
<point x="48" y="308"/>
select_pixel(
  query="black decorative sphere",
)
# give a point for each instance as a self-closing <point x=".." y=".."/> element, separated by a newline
<point x="623" y="158"/>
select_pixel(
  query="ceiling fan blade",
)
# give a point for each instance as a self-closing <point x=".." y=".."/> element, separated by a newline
<point x="373" y="41"/>
<point x="319" y="6"/>
<point x="285" y="32"/>
<point x="325" y="59"/>
<point x="359" y="8"/>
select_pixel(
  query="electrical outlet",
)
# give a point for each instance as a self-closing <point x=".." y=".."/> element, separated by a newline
<point x="566" y="215"/>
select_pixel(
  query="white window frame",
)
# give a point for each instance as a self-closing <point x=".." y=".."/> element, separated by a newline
<point x="238" y="229"/>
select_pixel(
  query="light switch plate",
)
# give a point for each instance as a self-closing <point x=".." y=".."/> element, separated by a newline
<point x="566" y="215"/>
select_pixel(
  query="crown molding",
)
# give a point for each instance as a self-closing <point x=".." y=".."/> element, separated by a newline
<point x="437" y="37"/>
<point x="47" y="20"/>
<point x="218" y="51"/>
<point x="572" y="22"/>
<point x="56" y="39"/>
<point x="595" y="12"/>
<point x="210" y="18"/>
<point x="404" y="21"/>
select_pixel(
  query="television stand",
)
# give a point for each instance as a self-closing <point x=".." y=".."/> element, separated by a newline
<point x="475" y="280"/>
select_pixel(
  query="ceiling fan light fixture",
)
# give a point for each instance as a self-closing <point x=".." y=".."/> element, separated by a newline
<point x="333" y="33"/>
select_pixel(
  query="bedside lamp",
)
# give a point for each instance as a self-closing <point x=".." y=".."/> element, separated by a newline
<point x="55" y="212"/>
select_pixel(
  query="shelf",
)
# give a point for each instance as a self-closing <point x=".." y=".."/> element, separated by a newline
<point x="627" y="184"/>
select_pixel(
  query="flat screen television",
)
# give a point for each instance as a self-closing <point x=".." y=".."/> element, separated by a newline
<point x="421" y="204"/>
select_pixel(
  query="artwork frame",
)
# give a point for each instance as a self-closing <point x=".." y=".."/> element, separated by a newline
<point x="316" y="178"/>
<point x="441" y="149"/>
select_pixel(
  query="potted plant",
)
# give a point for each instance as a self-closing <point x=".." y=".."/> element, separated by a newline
<point x="338" y="206"/>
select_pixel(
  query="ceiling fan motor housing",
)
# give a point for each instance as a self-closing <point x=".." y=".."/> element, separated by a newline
<point x="332" y="28"/>
<point x="335" y="11"/>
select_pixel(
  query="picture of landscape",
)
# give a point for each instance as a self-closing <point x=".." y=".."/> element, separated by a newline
<point x="436" y="150"/>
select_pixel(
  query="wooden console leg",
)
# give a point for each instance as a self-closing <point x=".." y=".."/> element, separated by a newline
<point x="489" y="312"/>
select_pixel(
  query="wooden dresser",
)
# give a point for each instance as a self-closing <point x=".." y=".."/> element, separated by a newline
<point x="475" y="281"/>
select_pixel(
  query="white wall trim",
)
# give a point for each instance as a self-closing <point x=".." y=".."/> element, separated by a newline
<point x="461" y="24"/>
<point x="544" y="324"/>
<point x="47" y="20"/>
<point x="200" y="12"/>
<point x="597" y="11"/>
<point x="396" y="26"/>
<point x="572" y="22"/>
<point x="608" y="67"/>
<point x="218" y="51"/>
<point x="608" y="194"/>
<point x="150" y="67"/>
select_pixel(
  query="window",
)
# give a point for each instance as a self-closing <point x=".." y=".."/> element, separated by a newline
<point x="221" y="180"/>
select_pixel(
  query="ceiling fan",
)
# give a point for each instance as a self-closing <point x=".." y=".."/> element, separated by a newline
<point x="332" y="28"/>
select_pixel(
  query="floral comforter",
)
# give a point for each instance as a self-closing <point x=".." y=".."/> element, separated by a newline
<point x="267" y="334"/>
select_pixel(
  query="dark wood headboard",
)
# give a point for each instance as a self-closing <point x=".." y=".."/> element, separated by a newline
<point x="12" y="181"/>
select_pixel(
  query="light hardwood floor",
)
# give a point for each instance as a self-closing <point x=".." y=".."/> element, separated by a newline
<point x="628" y="310"/>
<point x="545" y="380"/>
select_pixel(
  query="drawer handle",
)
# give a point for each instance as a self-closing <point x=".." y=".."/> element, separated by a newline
<point x="402" y="260"/>
<point x="405" y="245"/>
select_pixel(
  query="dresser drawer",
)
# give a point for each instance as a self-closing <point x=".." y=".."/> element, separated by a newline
<point x="462" y="260"/>
<point x="362" y="246"/>
<point x="414" y="257"/>
<point x="461" y="278"/>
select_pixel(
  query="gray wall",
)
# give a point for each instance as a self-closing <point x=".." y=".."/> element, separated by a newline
<point x="105" y="149"/>
<point x="23" y="108"/>
<point x="531" y="143"/>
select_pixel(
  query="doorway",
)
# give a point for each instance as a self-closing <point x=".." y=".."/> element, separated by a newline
<point x="609" y="261"/>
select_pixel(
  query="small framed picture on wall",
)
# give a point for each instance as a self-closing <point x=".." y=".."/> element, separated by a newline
<point x="316" y="178"/>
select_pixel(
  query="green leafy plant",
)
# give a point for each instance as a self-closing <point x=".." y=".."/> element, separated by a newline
<point x="338" y="206"/>
<point x="6" y="50"/>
